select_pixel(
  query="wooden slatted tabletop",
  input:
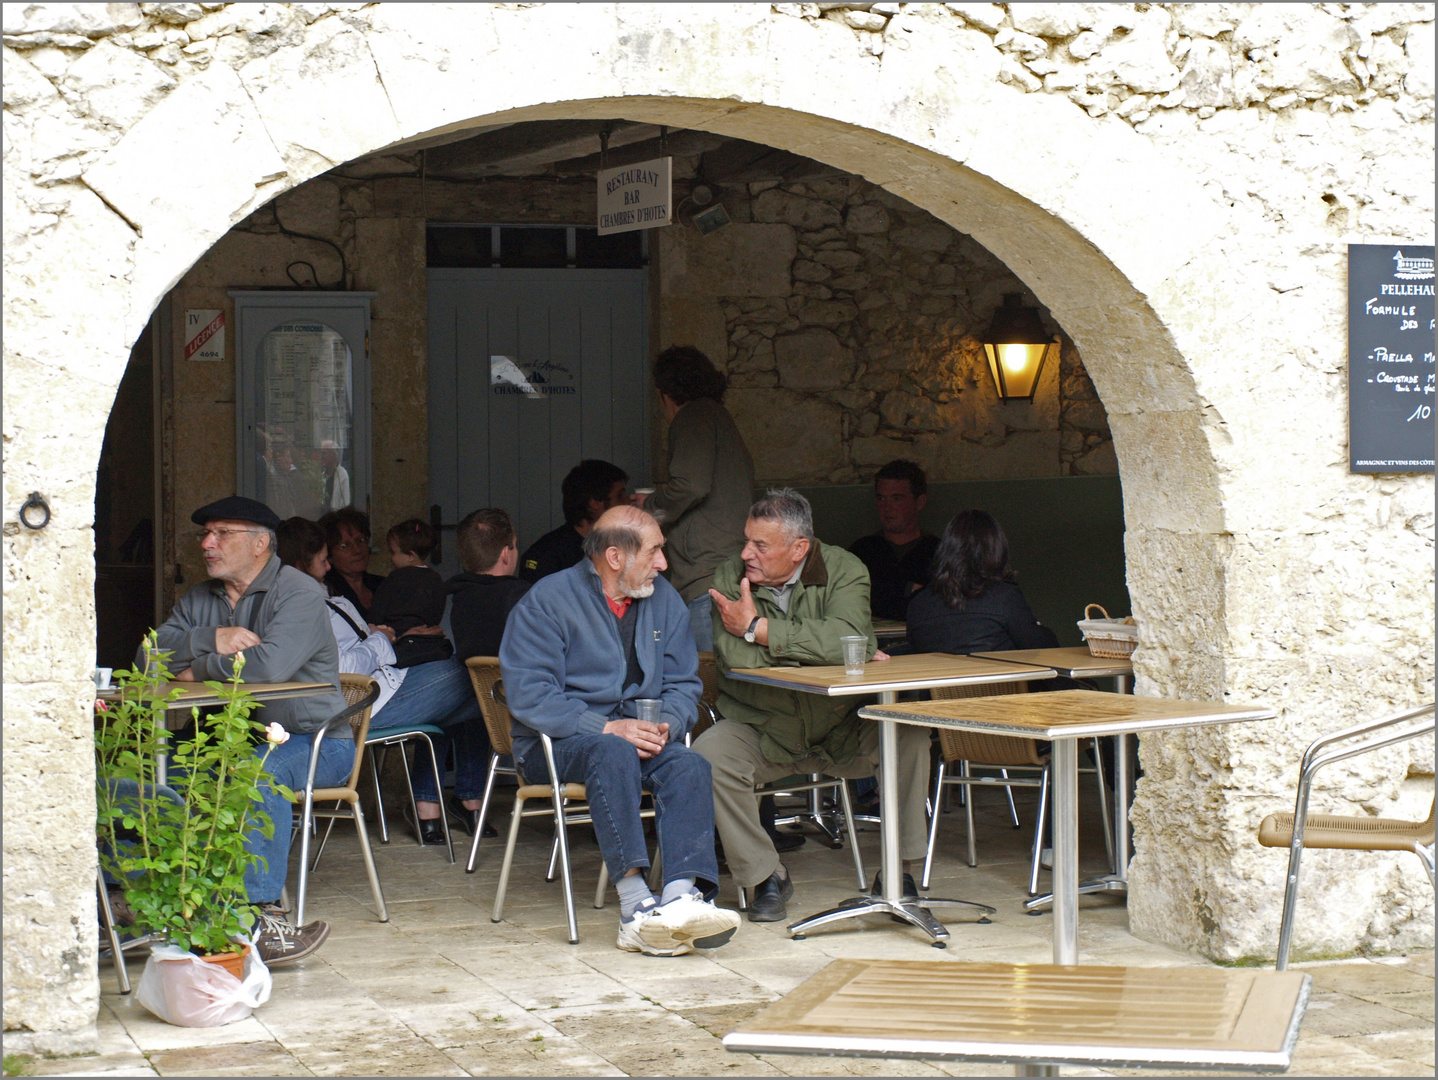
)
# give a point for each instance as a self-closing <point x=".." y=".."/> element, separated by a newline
<point x="1036" y="1013"/>
<point x="896" y="673"/>
<point x="199" y="695"/>
<point x="1076" y="662"/>
<point x="1064" y="714"/>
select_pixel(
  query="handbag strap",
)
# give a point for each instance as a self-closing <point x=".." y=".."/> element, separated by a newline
<point x="343" y="614"/>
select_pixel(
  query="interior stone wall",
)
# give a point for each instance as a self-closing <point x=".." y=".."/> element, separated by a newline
<point x="860" y="316"/>
<point x="865" y="325"/>
<point x="1176" y="183"/>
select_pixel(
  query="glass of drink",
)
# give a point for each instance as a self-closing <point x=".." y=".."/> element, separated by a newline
<point x="648" y="709"/>
<point x="856" y="651"/>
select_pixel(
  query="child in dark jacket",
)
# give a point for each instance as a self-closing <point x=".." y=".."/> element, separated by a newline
<point x="414" y="594"/>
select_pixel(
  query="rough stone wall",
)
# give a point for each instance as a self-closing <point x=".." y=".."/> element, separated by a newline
<point x="865" y="325"/>
<point x="1196" y="259"/>
<point x="860" y="315"/>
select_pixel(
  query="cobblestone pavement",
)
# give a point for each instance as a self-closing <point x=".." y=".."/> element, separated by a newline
<point x="440" y="990"/>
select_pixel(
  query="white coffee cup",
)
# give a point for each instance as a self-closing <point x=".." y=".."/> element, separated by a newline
<point x="102" y="677"/>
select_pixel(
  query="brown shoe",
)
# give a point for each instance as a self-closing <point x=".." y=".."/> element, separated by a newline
<point x="279" y="941"/>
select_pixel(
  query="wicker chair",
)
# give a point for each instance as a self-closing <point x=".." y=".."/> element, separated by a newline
<point x="1346" y="833"/>
<point x="567" y="802"/>
<point x="968" y="751"/>
<point x="360" y="693"/>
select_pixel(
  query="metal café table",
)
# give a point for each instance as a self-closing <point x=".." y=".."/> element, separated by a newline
<point x="1079" y="663"/>
<point x="1064" y="717"/>
<point x="198" y="695"/>
<point x="887" y="678"/>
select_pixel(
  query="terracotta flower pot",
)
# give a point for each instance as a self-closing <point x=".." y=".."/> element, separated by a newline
<point x="233" y="962"/>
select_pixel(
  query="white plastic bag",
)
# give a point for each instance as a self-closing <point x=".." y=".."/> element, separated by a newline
<point x="180" y="988"/>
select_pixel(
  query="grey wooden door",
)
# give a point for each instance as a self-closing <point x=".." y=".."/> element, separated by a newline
<point x="531" y="371"/>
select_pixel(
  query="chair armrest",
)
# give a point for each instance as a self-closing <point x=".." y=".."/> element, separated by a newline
<point x="1380" y="736"/>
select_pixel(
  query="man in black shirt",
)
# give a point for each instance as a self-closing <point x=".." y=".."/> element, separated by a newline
<point x="485" y="592"/>
<point x="899" y="554"/>
<point x="591" y="488"/>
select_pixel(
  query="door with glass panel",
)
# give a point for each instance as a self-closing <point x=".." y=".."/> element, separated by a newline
<point x="302" y="435"/>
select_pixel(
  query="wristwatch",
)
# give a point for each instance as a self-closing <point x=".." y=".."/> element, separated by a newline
<point x="749" y="634"/>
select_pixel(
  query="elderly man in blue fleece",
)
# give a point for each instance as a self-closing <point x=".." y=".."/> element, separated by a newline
<point x="580" y="649"/>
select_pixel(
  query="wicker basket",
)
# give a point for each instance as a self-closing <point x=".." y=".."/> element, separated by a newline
<point x="1114" y="639"/>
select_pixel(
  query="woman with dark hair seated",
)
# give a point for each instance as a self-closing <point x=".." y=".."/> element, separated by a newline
<point x="439" y="692"/>
<point x="972" y="603"/>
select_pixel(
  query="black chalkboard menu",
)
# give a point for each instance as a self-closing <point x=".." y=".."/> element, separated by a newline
<point x="1390" y="358"/>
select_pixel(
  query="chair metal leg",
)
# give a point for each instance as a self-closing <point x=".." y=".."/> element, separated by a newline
<point x="363" y="833"/>
<point x="377" y="756"/>
<point x="602" y="887"/>
<point x="848" y="807"/>
<point x="498" y="914"/>
<point x="551" y="873"/>
<point x="561" y="830"/>
<point x="413" y="805"/>
<point x="488" y="791"/>
<point x="966" y="773"/>
<point x="1290" y="898"/>
<point x="325" y="839"/>
<point x="305" y="823"/>
<point x="1009" y="792"/>
<point x="1103" y="806"/>
<point x="439" y="788"/>
<point x="1039" y="833"/>
<point x="107" y="917"/>
<point x="933" y="824"/>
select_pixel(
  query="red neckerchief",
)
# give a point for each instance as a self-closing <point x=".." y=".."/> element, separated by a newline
<point x="620" y="606"/>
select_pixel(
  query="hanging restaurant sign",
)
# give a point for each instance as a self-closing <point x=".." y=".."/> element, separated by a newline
<point x="1390" y="358"/>
<point x="635" y="196"/>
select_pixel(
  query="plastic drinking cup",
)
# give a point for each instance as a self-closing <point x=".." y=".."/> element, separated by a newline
<point x="856" y="651"/>
<point x="648" y="709"/>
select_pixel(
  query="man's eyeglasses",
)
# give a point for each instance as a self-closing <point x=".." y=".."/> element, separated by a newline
<point x="351" y="545"/>
<point x="220" y="535"/>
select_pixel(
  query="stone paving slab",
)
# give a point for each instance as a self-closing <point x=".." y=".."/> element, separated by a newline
<point x="442" y="990"/>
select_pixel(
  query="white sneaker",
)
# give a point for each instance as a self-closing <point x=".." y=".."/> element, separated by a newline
<point x="631" y="937"/>
<point x="689" y="921"/>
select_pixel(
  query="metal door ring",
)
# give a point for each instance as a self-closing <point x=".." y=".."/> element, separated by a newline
<point x="36" y="501"/>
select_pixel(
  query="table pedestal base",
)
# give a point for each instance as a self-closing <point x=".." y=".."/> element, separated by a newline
<point x="1105" y="883"/>
<point x="915" y="912"/>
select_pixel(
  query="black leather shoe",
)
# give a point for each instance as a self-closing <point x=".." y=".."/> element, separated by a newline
<point x="910" y="892"/>
<point x="467" y="819"/>
<point x="767" y="902"/>
<point x="431" y="831"/>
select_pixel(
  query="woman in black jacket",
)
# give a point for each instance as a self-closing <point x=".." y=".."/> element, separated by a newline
<point x="971" y="603"/>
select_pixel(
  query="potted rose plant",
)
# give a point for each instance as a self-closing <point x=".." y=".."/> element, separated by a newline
<point x="179" y="849"/>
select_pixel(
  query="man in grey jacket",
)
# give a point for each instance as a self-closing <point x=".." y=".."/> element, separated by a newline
<point x="705" y="501"/>
<point x="277" y="617"/>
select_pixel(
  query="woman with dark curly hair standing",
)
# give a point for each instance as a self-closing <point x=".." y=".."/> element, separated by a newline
<point x="972" y="603"/>
<point x="705" y="502"/>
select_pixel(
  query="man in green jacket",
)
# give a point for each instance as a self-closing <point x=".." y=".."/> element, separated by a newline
<point x="786" y="600"/>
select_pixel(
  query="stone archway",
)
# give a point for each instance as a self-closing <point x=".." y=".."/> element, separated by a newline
<point x="1118" y="238"/>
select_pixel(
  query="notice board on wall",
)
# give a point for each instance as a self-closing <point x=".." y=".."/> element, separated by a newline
<point x="1390" y="358"/>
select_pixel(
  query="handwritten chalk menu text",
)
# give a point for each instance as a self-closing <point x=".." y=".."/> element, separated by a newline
<point x="1390" y="358"/>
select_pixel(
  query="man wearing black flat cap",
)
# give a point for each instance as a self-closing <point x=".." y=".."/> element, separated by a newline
<point x="277" y="616"/>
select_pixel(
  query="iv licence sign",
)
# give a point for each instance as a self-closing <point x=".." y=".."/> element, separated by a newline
<point x="635" y="196"/>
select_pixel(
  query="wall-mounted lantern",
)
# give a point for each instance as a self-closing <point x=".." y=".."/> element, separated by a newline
<point x="1017" y="347"/>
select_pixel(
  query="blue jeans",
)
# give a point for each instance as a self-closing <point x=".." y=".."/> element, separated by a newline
<point x="701" y="622"/>
<point x="616" y="778"/>
<point x="441" y="693"/>
<point x="289" y="765"/>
